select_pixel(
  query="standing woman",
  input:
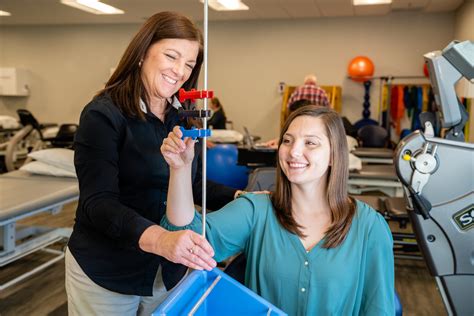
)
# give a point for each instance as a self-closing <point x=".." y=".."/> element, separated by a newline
<point x="115" y="262"/>
<point x="310" y="248"/>
<point x="218" y="118"/>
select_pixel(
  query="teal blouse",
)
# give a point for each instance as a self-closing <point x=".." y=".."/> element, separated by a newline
<point x="355" y="278"/>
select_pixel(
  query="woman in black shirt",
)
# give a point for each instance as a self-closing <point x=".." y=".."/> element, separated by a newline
<point x="218" y="118"/>
<point x="117" y="253"/>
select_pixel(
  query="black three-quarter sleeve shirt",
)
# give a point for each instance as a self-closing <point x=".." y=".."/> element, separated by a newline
<point x="123" y="182"/>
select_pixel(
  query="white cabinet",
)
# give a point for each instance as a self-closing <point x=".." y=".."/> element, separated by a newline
<point x="14" y="82"/>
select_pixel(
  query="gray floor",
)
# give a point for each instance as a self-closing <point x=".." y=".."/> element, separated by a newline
<point x="44" y="294"/>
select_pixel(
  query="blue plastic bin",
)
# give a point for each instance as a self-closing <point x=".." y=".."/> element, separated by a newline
<point x="225" y="296"/>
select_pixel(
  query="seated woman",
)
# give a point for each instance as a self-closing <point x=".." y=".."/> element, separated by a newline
<point x="218" y="118"/>
<point x="310" y="248"/>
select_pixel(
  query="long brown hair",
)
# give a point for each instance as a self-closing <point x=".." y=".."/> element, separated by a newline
<point x="125" y="86"/>
<point x="342" y="207"/>
<point x="218" y="103"/>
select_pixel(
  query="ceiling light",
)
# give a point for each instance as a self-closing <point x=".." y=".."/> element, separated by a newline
<point x="226" y="5"/>
<point x="92" y="6"/>
<point x="4" y="13"/>
<point x="371" y="2"/>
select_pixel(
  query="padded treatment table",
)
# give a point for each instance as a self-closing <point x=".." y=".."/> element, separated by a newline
<point x="374" y="155"/>
<point x="381" y="178"/>
<point x="255" y="157"/>
<point x="394" y="210"/>
<point x="23" y="195"/>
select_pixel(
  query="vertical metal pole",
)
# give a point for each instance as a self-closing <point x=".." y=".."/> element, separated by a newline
<point x="204" y="144"/>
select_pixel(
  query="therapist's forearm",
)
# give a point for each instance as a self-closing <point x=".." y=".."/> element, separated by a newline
<point x="180" y="204"/>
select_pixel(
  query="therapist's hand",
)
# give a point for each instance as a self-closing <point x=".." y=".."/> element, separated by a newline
<point x="185" y="247"/>
<point x="177" y="153"/>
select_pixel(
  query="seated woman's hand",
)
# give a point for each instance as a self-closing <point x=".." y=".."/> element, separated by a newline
<point x="177" y="153"/>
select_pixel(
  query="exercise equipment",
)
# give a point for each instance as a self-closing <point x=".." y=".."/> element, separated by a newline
<point x="360" y="68"/>
<point x="63" y="139"/>
<point x="437" y="177"/>
<point x="195" y="133"/>
<point x="194" y="94"/>
<point x="222" y="166"/>
<point x="31" y="138"/>
<point x="366" y="120"/>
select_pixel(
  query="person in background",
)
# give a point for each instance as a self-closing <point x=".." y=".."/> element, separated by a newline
<point x="310" y="248"/>
<point x="273" y="143"/>
<point x="218" y="118"/>
<point x="311" y="92"/>
<point x="117" y="256"/>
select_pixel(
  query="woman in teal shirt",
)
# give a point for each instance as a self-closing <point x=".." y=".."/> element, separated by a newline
<point x="311" y="250"/>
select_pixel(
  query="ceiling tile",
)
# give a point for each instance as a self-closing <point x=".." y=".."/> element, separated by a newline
<point x="408" y="4"/>
<point x="379" y="9"/>
<point x="32" y="12"/>
<point x="301" y="8"/>
<point x="331" y="8"/>
<point x="443" y="5"/>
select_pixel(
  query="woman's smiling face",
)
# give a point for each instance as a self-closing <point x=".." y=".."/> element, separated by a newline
<point x="304" y="153"/>
<point x="167" y="65"/>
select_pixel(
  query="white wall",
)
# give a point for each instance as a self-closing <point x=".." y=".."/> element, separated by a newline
<point x="464" y="22"/>
<point x="464" y="30"/>
<point x="68" y="65"/>
<point x="250" y="59"/>
<point x="247" y="59"/>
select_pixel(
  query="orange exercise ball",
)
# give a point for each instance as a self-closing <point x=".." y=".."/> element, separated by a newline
<point x="360" y="68"/>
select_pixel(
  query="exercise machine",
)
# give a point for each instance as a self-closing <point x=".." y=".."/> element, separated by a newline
<point x="437" y="174"/>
